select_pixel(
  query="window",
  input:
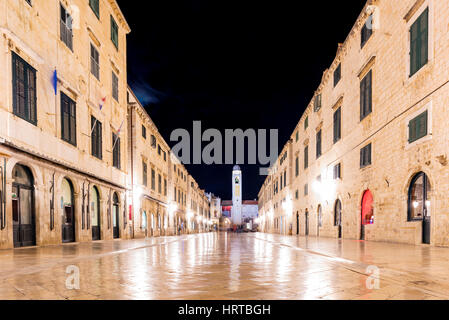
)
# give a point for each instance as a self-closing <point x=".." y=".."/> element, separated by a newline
<point x="419" y="44"/>
<point x="29" y="2"/>
<point x="318" y="144"/>
<point x="417" y="127"/>
<point x="337" y="125"/>
<point x="159" y="183"/>
<point x="96" y="138"/>
<point x="114" y="86"/>
<point x="296" y="194"/>
<point x="337" y="213"/>
<point x="306" y="157"/>
<point x="306" y="123"/>
<point x="154" y="143"/>
<point x="365" y="156"/>
<point x="418" y="197"/>
<point x="337" y="75"/>
<point x="175" y="194"/>
<point x="115" y="151"/>
<point x="366" y="96"/>
<point x="94" y="62"/>
<point x="367" y="31"/>
<point x="159" y="150"/>
<point x="281" y="182"/>
<point x="95" y="6"/>
<point x="297" y="166"/>
<point x="24" y="89"/>
<point x="66" y="34"/>
<point x="144" y="174"/>
<point x="165" y="156"/>
<point x="153" y="180"/>
<point x="317" y="103"/>
<point x="306" y="189"/>
<point x="144" y="132"/>
<point x="114" y="32"/>
<point x="165" y="187"/>
<point x="297" y="136"/>
<point x="68" y="119"/>
<point x="285" y="178"/>
<point x="337" y="171"/>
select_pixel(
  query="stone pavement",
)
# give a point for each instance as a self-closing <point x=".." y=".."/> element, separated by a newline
<point x="227" y="266"/>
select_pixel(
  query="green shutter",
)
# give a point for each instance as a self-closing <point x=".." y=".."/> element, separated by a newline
<point x="114" y="32"/>
<point x="418" y="127"/>
<point x="419" y="36"/>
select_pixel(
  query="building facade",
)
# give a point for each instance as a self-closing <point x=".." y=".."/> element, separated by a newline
<point x="238" y="212"/>
<point x="62" y="104"/>
<point x="215" y="210"/>
<point x="368" y="158"/>
<point x="71" y="164"/>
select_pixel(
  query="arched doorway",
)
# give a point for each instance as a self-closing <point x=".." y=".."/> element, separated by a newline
<point x="419" y="204"/>
<point x="307" y="222"/>
<point x="297" y="223"/>
<point x="337" y="217"/>
<point x="115" y="216"/>
<point x="319" y="220"/>
<point x="95" y="214"/>
<point x="68" y="214"/>
<point x="23" y="215"/>
<point x="367" y="215"/>
<point x="144" y="223"/>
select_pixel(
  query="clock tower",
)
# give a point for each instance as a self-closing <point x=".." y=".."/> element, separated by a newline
<point x="236" y="212"/>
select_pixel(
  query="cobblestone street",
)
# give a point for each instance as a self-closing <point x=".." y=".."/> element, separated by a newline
<point x="226" y="266"/>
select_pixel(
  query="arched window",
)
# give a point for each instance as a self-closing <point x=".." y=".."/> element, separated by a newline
<point x="144" y="220"/>
<point x="418" y="197"/>
<point x="337" y="213"/>
<point x="320" y="218"/>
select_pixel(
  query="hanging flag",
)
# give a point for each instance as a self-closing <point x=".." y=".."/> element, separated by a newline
<point x="102" y="102"/>
<point x="120" y="129"/>
<point x="118" y="135"/>
<point x="55" y="81"/>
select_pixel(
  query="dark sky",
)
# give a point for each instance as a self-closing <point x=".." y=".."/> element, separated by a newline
<point x="232" y="64"/>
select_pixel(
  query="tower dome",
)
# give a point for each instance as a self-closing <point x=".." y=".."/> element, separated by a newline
<point x="236" y="168"/>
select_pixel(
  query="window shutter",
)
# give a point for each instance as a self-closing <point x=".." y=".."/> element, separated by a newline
<point x="424" y="37"/>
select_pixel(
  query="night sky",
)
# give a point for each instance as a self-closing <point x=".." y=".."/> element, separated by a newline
<point x="231" y="64"/>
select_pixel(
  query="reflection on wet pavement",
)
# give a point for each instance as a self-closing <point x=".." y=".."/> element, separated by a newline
<point x="227" y="266"/>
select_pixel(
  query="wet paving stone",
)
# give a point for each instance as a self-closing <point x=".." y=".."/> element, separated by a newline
<point x="226" y="266"/>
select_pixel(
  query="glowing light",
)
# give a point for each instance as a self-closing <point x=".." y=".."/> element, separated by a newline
<point x="415" y="204"/>
<point x="325" y="188"/>
<point x="428" y="204"/>
<point x="287" y="205"/>
<point x="172" y="209"/>
<point x="189" y="215"/>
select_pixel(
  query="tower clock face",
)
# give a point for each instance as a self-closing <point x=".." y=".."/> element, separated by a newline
<point x="237" y="180"/>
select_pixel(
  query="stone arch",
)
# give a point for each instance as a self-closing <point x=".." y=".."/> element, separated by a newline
<point x="35" y="170"/>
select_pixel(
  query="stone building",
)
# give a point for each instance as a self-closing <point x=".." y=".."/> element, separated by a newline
<point x="368" y="158"/>
<point x="149" y="163"/>
<point x="62" y="106"/>
<point x="65" y="151"/>
<point x="166" y="199"/>
<point x="215" y="210"/>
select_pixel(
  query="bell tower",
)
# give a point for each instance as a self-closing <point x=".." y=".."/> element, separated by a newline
<point x="236" y="213"/>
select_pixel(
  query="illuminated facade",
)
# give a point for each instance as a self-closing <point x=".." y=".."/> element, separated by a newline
<point x="368" y="158"/>
<point x="65" y="132"/>
<point x="62" y="106"/>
